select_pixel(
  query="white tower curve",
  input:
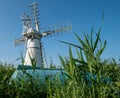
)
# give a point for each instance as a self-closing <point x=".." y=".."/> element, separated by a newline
<point x="33" y="52"/>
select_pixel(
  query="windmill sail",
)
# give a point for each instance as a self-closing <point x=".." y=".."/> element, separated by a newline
<point x="55" y="30"/>
<point x="19" y="41"/>
<point x="34" y="15"/>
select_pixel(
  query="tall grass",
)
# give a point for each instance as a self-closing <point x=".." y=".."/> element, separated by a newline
<point x="6" y="71"/>
<point x="84" y="76"/>
<point x="88" y="75"/>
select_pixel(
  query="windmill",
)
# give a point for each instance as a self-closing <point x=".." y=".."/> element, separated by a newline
<point x="32" y="35"/>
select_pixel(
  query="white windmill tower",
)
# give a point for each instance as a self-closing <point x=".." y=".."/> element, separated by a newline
<point x="32" y="35"/>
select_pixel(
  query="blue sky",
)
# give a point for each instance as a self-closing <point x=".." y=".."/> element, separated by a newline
<point x="83" y="14"/>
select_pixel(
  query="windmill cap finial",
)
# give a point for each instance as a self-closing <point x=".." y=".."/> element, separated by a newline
<point x="29" y="32"/>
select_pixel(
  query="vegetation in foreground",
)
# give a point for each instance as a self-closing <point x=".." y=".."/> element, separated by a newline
<point x="88" y="76"/>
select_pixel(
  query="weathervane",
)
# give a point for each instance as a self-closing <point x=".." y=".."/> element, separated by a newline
<point x="32" y="35"/>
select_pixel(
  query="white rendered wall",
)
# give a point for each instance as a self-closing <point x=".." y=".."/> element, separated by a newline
<point x="33" y="51"/>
